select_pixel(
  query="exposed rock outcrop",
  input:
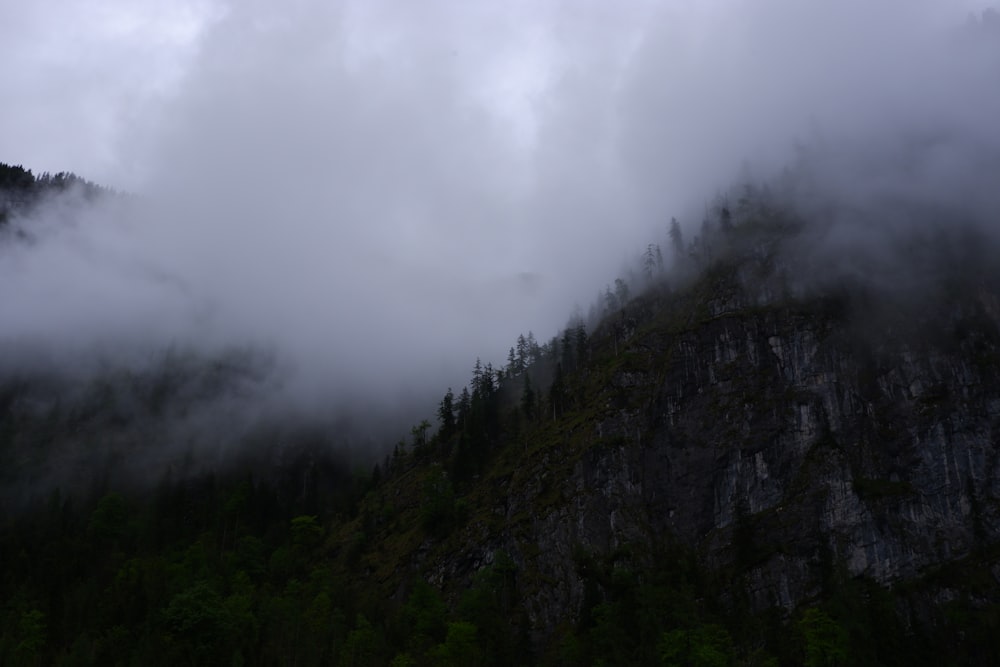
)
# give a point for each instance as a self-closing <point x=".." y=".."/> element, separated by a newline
<point x="773" y="439"/>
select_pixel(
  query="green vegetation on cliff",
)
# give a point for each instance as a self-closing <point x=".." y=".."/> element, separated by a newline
<point x="735" y="461"/>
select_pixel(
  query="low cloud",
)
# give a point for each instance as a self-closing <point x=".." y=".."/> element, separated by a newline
<point x="378" y="194"/>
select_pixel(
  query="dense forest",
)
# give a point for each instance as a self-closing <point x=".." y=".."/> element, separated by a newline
<point x="20" y="189"/>
<point x="532" y="521"/>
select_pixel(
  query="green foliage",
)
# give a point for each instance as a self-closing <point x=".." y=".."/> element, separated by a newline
<point x="202" y="626"/>
<point x="306" y="533"/>
<point x="491" y="604"/>
<point x="438" y="509"/>
<point x="528" y="399"/>
<point x="423" y="618"/>
<point x="419" y="433"/>
<point x="703" y="646"/>
<point x="446" y="414"/>
<point x="825" y="641"/>
<point x="30" y="638"/>
<point x="403" y="660"/>
<point x="460" y="648"/>
<point x="248" y="557"/>
<point x="109" y="520"/>
<point x="361" y="648"/>
<point x="609" y="637"/>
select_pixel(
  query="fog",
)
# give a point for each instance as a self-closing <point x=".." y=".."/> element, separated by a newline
<point x="377" y="193"/>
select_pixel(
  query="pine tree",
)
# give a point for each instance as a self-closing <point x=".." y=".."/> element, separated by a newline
<point x="610" y="302"/>
<point x="566" y="358"/>
<point x="551" y="351"/>
<point x="676" y="239"/>
<point x="446" y="414"/>
<point x="419" y="433"/>
<point x="464" y="406"/>
<point x="581" y="344"/>
<point x="522" y="353"/>
<point x="528" y="399"/>
<point x="477" y="377"/>
<point x="534" y="352"/>
<point x="621" y="292"/>
<point x="725" y="220"/>
<point x="649" y="262"/>
<point x="557" y="392"/>
<point x="487" y="384"/>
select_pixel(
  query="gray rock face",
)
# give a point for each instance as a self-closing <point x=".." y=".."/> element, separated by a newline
<point x="780" y="431"/>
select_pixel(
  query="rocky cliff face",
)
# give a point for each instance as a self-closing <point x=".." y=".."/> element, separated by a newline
<point x="776" y="438"/>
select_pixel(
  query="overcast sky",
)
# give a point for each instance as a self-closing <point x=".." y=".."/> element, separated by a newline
<point x="383" y="190"/>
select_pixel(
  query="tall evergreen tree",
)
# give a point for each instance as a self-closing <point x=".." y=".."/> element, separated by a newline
<point x="676" y="238"/>
<point x="725" y="220"/>
<point x="446" y="414"/>
<point x="580" y="344"/>
<point x="522" y="353"/>
<point x="534" y="352"/>
<point x="621" y="292"/>
<point x="528" y="399"/>
<point x="567" y="359"/>
<point x="610" y="301"/>
<point x="649" y="261"/>
<point x="557" y="393"/>
<point x="463" y="408"/>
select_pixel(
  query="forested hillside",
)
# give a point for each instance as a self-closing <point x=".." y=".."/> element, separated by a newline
<point x="20" y="189"/>
<point x="750" y="452"/>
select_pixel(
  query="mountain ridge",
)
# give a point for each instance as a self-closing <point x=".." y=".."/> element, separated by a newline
<point x="760" y="457"/>
<point x="764" y="416"/>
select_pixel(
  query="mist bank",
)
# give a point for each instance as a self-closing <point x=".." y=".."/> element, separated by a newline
<point x="383" y="211"/>
<point x="179" y="415"/>
<point x="369" y="217"/>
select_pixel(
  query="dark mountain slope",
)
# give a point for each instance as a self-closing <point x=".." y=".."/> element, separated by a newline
<point x="773" y="454"/>
<point x="792" y="437"/>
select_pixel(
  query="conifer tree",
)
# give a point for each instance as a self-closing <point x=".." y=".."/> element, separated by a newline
<point x="557" y="392"/>
<point x="446" y="414"/>
<point x="528" y="399"/>
<point x="522" y="353"/>
<point x="621" y="292"/>
<point x="567" y="349"/>
<point x="649" y="261"/>
<point x="464" y="407"/>
<point x="581" y="344"/>
<point x="534" y="352"/>
<point x="610" y="302"/>
<point x="419" y="433"/>
<point x="725" y="220"/>
<point x="676" y="239"/>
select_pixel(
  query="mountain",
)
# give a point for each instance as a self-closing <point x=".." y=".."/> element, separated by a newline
<point x="763" y="451"/>
<point x="758" y="452"/>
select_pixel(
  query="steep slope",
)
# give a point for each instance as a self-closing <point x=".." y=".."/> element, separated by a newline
<point x="773" y="454"/>
<point x="784" y="436"/>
